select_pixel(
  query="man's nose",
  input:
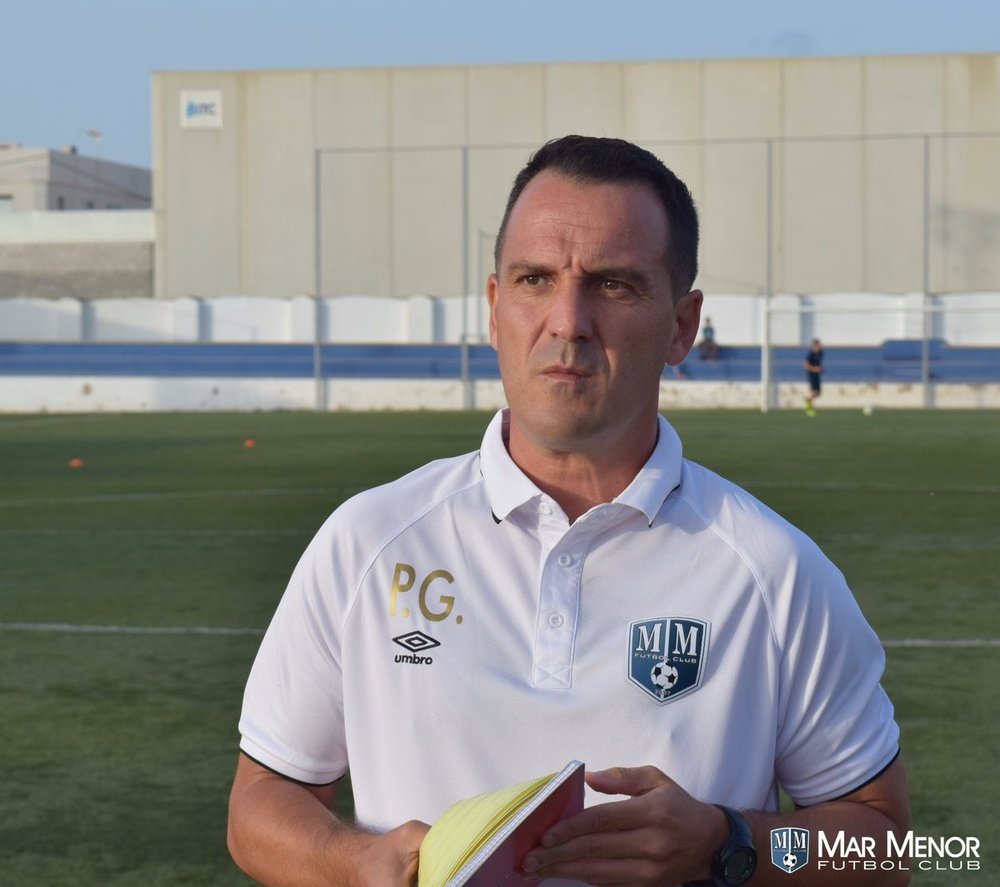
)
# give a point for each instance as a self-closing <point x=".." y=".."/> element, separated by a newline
<point x="570" y="311"/>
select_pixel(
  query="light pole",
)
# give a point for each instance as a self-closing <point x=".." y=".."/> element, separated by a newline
<point x="97" y="137"/>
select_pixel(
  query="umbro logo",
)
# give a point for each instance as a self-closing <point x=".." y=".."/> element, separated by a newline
<point x="415" y="642"/>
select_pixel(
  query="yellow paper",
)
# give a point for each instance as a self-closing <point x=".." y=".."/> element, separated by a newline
<point x="481" y="841"/>
<point x="464" y="827"/>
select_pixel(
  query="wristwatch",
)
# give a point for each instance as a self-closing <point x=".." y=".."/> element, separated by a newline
<point x="736" y="860"/>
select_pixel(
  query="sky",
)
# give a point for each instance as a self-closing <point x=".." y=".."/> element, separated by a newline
<point x="78" y="72"/>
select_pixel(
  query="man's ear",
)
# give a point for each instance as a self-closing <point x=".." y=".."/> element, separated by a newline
<point x="492" y="293"/>
<point x="687" y="319"/>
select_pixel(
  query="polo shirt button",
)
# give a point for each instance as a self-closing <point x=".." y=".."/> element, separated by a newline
<point x="544" y="507"/>
<point x="564" y="560"/>
<point x="556" y="620"/>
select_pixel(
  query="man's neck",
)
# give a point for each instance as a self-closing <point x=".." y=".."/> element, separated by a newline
<point x="580" y="479"/>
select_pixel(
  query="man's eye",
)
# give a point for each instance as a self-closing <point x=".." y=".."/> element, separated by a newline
<point x="532" y="279"/>
<point x="616" y="287"/>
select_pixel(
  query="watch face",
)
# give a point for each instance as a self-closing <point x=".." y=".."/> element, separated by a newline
<point x="740" y="866"/>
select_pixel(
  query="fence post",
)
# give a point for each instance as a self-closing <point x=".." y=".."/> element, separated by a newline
<point x="318" y="284"/>
<point x="765" y="348"/>
<point x="320" y="385"/>
<point x="467" y="394"/>
<point x="766" y="371"/>
<point x="469" y="399"/>
<point x="925" y="336"/>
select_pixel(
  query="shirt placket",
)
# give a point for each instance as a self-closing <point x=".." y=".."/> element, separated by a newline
<point x="562" y="556"/>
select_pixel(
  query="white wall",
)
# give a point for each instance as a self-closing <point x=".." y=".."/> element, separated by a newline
<point x="72" y="394"/>
<point x="79" y="226"/>
<point x="862" y="319"/>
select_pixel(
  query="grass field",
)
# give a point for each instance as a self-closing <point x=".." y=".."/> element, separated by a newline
<point x="117" y="747"/>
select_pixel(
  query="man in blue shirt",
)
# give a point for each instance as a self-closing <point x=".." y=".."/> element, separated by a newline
<point x="814" y="369"/>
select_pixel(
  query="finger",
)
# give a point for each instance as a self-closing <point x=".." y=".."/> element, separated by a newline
<point x="632" y="781"/>
<point x="602" y="870"/>
<point x="598" y="845"/>
<point x="611" y="817"/>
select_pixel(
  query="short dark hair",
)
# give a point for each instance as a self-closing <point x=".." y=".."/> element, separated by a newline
<point x="610" y="161"/>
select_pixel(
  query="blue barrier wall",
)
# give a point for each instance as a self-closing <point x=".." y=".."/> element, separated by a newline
<point x="894" y="361"/>
<point x="245" y="360"/>
<point x="897" y="361"/>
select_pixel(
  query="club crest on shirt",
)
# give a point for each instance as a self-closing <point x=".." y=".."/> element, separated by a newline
<point x="666" y="655"/>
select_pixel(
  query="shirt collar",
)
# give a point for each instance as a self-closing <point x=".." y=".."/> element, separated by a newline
<point x="659" y="477"/>
<point x="508" y="488"/>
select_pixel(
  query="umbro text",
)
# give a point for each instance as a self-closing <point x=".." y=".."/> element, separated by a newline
<point x="414" y="660"/>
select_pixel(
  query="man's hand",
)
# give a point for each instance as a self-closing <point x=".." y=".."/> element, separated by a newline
<point x="659" y="836"/>
<point x="391" y="859"/>
<point x="282" y="832"/>
<point x="662" y="836"/>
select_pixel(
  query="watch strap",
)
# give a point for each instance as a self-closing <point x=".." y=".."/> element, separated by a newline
<point x="740" y="837"/>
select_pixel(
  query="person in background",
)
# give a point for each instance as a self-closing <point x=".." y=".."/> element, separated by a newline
<point x="708" y="348"/>
<point x="813" y="365"/>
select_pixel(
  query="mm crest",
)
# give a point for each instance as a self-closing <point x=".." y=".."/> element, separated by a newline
<point x="789" y="848"/>
<point x="666" y="656"/>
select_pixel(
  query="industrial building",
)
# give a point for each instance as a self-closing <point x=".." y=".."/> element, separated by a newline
<point x="40" y="179"/>
<point x="852" y="174"/>
<point x="73" y="226"/>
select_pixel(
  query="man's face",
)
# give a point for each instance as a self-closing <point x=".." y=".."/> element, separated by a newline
<point x="582" y="315"/>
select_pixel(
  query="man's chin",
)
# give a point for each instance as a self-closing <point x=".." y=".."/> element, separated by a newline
<point x="559" y="430"/>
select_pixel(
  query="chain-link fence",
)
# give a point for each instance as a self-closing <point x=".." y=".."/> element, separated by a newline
<point x="930" y="351"/>
<point x="885" y="213"/>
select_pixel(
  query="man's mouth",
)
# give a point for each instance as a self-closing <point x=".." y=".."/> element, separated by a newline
<point x="567" y="373"/>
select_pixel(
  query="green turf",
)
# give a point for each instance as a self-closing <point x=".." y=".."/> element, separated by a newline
<point x="117" y="750"/>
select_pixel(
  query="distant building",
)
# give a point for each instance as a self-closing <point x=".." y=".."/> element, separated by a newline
<point x="33" y="179"/>
<point x="813" y="175"/>
<point x="103" y="249"/>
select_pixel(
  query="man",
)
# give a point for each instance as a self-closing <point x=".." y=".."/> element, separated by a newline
<point x="813" y="365"/>
<point x="708" y="348"/>
<point x="574" y="590"/>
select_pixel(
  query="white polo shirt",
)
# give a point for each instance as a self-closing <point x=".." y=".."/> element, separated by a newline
<point x="451" y="633"/>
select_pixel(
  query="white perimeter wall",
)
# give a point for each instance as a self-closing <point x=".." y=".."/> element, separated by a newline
<point x="862" y="319"/>
<point x="80" y="226"/>
<point x="39" y="394"/>
<point x="842" y="319"/>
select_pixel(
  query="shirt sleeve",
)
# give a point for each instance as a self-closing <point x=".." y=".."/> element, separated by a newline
<point x="837" y="730"/>
<point x="292" y="720"/>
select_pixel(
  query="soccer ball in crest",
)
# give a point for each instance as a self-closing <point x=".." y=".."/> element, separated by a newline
<point x="664" y="676"/>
